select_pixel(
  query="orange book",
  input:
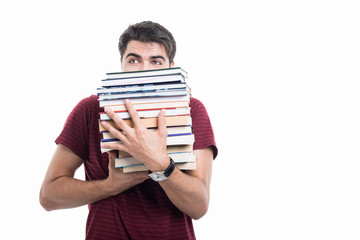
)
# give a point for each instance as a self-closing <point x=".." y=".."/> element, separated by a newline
<point x="153" y="122"/>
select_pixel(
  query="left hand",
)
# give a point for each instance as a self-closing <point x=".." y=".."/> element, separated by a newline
<point x="148" y="147"/>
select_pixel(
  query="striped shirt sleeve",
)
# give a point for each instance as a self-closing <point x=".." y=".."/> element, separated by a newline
<point x="75" y="132"/>
<point x="202" y="128"/>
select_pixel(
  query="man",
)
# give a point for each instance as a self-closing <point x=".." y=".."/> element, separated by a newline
<point x="131" y="205"/>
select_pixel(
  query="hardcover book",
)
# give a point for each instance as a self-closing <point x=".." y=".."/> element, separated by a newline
<point x="149" y="92"/>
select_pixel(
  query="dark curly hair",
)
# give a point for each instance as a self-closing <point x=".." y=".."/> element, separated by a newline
<point x="148" y="31"/>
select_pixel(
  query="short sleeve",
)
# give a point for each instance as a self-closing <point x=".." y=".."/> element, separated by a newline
<point x="202" y="128"/>
<point x="75" y="133"/>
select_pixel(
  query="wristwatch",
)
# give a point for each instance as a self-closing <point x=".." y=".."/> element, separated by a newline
<point x="163" y="175"/>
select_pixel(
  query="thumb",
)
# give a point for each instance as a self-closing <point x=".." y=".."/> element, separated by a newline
<point x="112" y="155"/>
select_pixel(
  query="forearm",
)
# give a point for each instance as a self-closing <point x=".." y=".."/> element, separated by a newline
<point x="67" y="192"/>
<point x="188" y="193"/>
<point x="61" y="190"/>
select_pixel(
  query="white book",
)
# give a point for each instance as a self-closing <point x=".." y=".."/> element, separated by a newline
<point x="150" y="106"/>
<point x="149" y="113"/>
<point x="170" y="141"/>
<point x="169" y="149"/>
<point x="145" y="100"/>
<point x="153" y="72"/>
<point x="143" y="94"/>
<point x="171" y="131"/>
<point x="142" y="80"/>
<point x="177" y="157"/>
<point x="181" y="166"/>
<point x="138" y="88"/>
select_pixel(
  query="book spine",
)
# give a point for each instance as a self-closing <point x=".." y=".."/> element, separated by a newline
<point x="149" y="105"/>
<point x="170" y="130"/>
<point x="108" y="97"/>
<point x="157" y="72"/>
<point x="153" y="87"/>
<point x="149" y="113"/>
<point x="153" y="122"/>
<point x="173" y="140"/>
<point x="177" y="157"/>
<point x="181" y="166"/>
<point x="134" y="81"/>
<point x="145" y="100"/>
<point x="169" y="149"/>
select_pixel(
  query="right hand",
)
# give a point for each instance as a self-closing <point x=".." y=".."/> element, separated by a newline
<point x="118" y="181"/>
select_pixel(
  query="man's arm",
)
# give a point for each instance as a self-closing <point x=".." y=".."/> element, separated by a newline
<point x="61" y="190"/>
<point x="188" y="192"/>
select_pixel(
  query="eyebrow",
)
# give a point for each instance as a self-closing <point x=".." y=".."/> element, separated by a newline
<point x="138" y="56"/>
<point x="158" y="56"/>
<point x="133" y="55"/>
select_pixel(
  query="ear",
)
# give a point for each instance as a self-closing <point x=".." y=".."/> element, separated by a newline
<point x="172" y="64"/>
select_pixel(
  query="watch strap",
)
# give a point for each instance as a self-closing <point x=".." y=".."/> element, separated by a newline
<point x="168" y="171"/>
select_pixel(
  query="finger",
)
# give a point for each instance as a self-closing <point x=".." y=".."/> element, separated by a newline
<point x="112" y="156"/>
<point x="133" y="113"/>
<point x="139" y="176"/>
<point x="115" y="132"/>
<point x="114" y="146"/>
<point x="111" y="165"/>
<point x="162" y="123"/>
<point x="118" y="120"/>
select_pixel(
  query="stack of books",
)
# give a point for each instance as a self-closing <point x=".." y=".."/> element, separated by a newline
<point x="149" y="92"/>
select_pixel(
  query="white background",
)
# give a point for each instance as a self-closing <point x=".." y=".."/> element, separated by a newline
<point x="280" y="80"/>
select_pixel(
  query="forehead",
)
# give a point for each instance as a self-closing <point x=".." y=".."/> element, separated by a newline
<point x="145" y="49"/>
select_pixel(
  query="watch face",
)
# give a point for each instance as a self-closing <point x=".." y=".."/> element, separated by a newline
<point x="158" y="176"/>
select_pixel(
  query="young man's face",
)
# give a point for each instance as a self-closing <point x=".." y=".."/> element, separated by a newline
<point x="144" y="56"/>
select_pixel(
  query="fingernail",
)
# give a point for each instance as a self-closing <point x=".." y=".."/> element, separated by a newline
<point x="107" y="110"/>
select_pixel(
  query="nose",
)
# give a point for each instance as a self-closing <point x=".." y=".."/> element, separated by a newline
<point x="145" y="66"/>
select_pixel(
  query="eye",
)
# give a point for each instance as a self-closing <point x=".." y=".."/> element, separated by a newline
<point x="157" y="62"/>
<point x="134" y="61"/>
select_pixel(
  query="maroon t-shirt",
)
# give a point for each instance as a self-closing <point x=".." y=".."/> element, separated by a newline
<point x="143" y="211"/>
